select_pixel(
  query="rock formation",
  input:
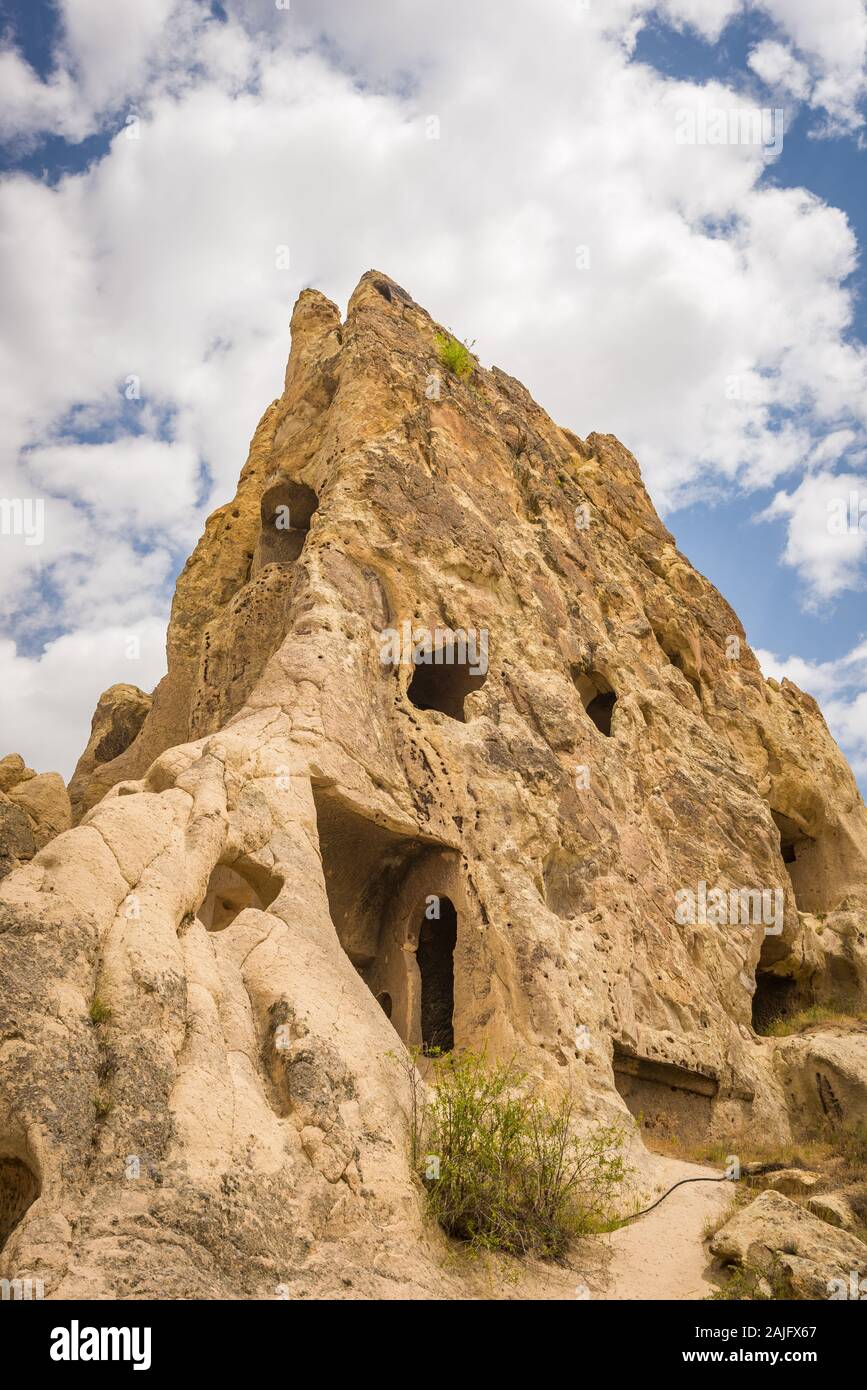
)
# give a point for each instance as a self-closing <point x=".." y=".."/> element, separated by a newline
<point x="116" y="722"/>
<point x="586" y="832"/>
<point x="33" y="809"/>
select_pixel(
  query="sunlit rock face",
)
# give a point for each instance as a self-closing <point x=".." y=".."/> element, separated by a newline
<point x="455" y="749"/>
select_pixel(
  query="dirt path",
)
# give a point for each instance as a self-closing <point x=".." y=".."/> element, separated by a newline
<point x="662" y="1255"/>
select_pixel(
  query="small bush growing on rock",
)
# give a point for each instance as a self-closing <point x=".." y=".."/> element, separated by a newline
<point x="751" y="1285"/>
<point x="100" y="1012"/>
<point x="508" y="1173"/>
<point x="455" y="356"/>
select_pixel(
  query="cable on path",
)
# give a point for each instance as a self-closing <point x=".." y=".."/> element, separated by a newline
<point x="754" y="1172"/>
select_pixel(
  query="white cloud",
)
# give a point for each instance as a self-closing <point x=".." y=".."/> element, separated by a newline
<point x="28" y="105"/>
<point x="827" y="530"/>
<point x="832" y="40"/>
<point x="712" y="307"/>
<point x="823" y="58"/>
<point x="110" y="58"/>
<point x="49" y="702"/>
<point x="779" y="69"/>
<point x="144" y="487"/>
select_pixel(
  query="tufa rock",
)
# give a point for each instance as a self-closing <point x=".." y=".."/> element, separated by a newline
<point x="315" y="849"/>
<point x="774" y="1235"/>
<point x="33" y="809"/>
<point x="793" y="1182"/>
<point x="13" y="771"/>
<point x="119" y="715"/>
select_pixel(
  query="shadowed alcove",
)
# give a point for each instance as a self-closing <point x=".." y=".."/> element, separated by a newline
<point x="231" y="889"/>
<point x="798" y="851"/>
<point x="19" y="1188"/>
<point x="597" y="696"/>
<point x="437" y="939"/>
<point x="683" y="654"/>
<point x="392" y="918"/>
<point x="775" y="997"/>
<point x="444" y="682"/>
<point x="287" y="508"/>
<point x="669" y="1101"/>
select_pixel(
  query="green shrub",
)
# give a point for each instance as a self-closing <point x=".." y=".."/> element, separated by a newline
<point x="455" y="356"/>
<point x="750" y="1285"/>
<point x="503" y="1172"/>
<point x="99" y="1010"/>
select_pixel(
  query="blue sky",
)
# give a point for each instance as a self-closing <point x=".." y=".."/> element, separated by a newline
<point x="767" y="596"/>
<point x="153" y="158"/>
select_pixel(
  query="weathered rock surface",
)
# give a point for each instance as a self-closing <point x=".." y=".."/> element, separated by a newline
<point x="16" y="836"/>
<point x="13" y="771"/>
<point x="824" y="1076"/>
<point x="33" y="809"/>
<point x="775" y="1235"/>
<point x="835" y="1208"/>
<point x="118" y="717"/>
<point x="246" y="896"/>
<point x="793" y="1182"/>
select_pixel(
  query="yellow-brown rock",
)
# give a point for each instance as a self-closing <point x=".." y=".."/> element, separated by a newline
<point x="33" y="809"/>
<point x="252" y="893"/>
<point x="116" y="723"/>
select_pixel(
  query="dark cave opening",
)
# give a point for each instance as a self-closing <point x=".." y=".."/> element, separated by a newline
<point x="600" y="710"/>
<point x="597" y="696"/>
<point x="286" y="511"/>
<point x="776" y="996"/>
<point x="435" y="957"/>
<point x="391" y="917"/>
<point x="444" y="682"/>
<point x="18" y="1191"/>
<point x="789" y="837"/>
<point x="802" y="857"/>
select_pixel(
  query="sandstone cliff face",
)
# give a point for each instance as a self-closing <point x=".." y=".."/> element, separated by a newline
<point x="210" y="975"/>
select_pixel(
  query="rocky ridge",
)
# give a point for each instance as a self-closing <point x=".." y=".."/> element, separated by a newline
<point x="206" y="980"/>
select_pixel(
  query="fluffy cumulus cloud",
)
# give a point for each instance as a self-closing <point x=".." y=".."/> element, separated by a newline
<point x="818" y="52"/>
<point x="525" y="177"/>
<point x="41" y="698"/>
<point x="827" y="530"/>
<point x="830" y="39"/>
<point x="779" y="69"/>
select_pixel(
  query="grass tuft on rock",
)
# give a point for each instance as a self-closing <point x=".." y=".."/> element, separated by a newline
<point x="100" y="1012"/>
<point x="455" y="356"/>
<point x="785" y="1025"/>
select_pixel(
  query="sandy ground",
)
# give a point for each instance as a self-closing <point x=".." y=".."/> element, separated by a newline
<point x="662" y="1255"/>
